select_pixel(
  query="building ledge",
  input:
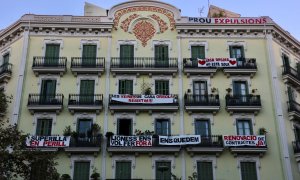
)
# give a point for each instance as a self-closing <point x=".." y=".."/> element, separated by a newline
<point x="248" y="150"/>
<point x="204" y="150"/>
<point x="144" y="150"/>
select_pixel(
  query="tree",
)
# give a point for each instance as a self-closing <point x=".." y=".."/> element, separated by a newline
<point x="16" y="159"/>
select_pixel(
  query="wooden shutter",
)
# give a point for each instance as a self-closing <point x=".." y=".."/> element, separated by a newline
<point x="81" y="171"/>
<point x="48" y="90"/>
<point x="162" y="87"/>
<point x="163" y="171"/>
<point x="161" y="55"/>
<point x="44" y="127"/>
<point x="290" y="94"/>
<point x="89" y="54"/>
<point x="87" y="87"/>
<point x="126" y="55"/>
<point x="205" y="171"/>
<point x="5" y="59"/>
<point x="248" y="171"/>
<point x="123" y="170"/>
<point x="298" y="69"/>
<point x="125" y="87"/>
<point x="197" y="52"/>
<point x="52" y="54"/>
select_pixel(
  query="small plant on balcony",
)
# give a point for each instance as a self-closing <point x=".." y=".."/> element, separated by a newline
<point x="109" y="134"/>
<point x="262" y="131"/>
<point x="65" y="177"/>
<point x="254" y="91"/>
<point x="140" y="133"/>
<point x="95" y="175"/>
<point x="74" y="134"/>
<point x="67" y="131"/>
<point x="148" y="91"/>
<point x="95" y="129"/>
<point x="214" y="90"/>
<point x="194" y="176"/>
<point x="228" y="90"/>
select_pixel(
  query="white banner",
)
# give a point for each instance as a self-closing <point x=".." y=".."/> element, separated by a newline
<point x="144" y="99"/>
<point x="217" y="62"/>
<point x="223" y="20"/>
<point x="48" y="141"/>
<point x="134" y="141"/>
<point x="179" y="140"/>
<point x="251" y="140"/>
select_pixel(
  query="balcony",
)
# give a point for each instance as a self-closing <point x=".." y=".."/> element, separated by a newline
<point x="146" y="103"/>
<point x="296" y="147"/>
<point x="154" y="148"/>
<point x="201" y="103"/>
<point x="243" y="103"/>
<point x="48" y="65"/>
<point x="144" y="65"/>
<point x="291" y="76"/>
<point x="85" y="145"/>
<point x="45" y="103"/>
<point x="85" y="103"/>
<point x="5" y="72"/>
<point x="245" y="66"/>
<point x="87" y="65"/>
<point x="212" y="144"/>
<point x="294" y="110"/>
<point x="190" y="67"/>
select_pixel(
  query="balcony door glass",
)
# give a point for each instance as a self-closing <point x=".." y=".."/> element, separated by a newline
<point x="238" y="53"/>
<point x="52" y="54"/>
<point x="244" y="127"/>
<point x="248" y="171"/>
<point x="126" y="56"/>
<point x="162" y="127"/>
<point x="205" y="170"/>
<point x="87" y="88"/>
<point x="240" y="91"/>
<point x="84" y="128"/>
<point x="81" y="171"/>
<point x="124" y="127"/>
<point x="197" y="52"/>
<point x="297" y="132"/>
<point x="125" y="86"/>
<point x="43" y="127"/>
<point x="200" y="91"/>
<point x="123" y="170"/>
<point x="48" y="90"/>
<point x="163" y="170"/>
<point x="89" y="53"/>
<point x="202" y="127"/>
<point x="162" y="87"/>
<point x="5" y="59"/>
<point x="161" y="53"/>
<point x="286" y="63"/>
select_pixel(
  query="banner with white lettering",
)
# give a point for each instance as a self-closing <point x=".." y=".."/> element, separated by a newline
<point x="251" y="140"/>
<point x="144" y="99"/>
<point x="179" y="140"/>
<point x="48" y="141"/>
<point x="217" y="62"/>
<point x="133" y="141"/>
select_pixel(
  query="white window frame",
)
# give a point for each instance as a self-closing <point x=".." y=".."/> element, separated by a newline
<point x="5" y="52"/>
<point x="198" y="43"/>
<point x="236" y="43"/>
<point x="249" y="117"/>
<point x="241" y="78"/>
<point x="200" y="78"/>
<point x="87" y="77"/>
<point x="207" y="116"/>
<point x="127" y="42"/>
<point x="81" y="158"/>
<point x="90" y="42"/>
<point x="78" y="116"/>
<point x="162" y="158"/>
<point x="37" y="116"/>
<point x="164" y="78"/>
<point x="118" y="116"/>
<point x="125" y="77"/>
<point x="249" y="159"/>
<point x="48" y="77"/>
<point x="168" y="116"/>
<point x="52" y="41"/>
<point x="162" y="42"/>
<point x="124" y="158"/>
<point x="200" y="158"/>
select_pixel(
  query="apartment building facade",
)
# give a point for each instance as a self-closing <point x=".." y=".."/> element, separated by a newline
<point x="142" y="92"/>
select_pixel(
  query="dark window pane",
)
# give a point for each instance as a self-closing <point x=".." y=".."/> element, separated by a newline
<point x="123" y="170"/>
<point x="84" y="127"/>
<point x="125" y="87"/>
<point x="124" y="127"/>
<point x="163" y="171"/>
<point x="44" y="127"/>
<point x="244" y="127"/>
<point x="248" y="171"/>
<point x="198" y="52"/>
<point x="162" y="87"/>
<point x="162" y="127"/>
<point x="81" y="171"/>
<point x="205" y="171"/>
<point x="202" y="127"/>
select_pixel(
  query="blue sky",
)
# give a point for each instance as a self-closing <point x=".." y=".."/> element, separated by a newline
<point x="283" y="12"/>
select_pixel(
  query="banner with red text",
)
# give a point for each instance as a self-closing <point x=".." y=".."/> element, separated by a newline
<point x="48" y="141"/>
<point x="251" y="140"/>
<point x="144" y="99"/>
<point x="217" y="62"/>
<point x="133" y="141"/>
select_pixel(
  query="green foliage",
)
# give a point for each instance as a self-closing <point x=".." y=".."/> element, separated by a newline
<point x="95" y="175"/>
<point x="193" y="177"/>
<point x="67" y="131"/>
<point x="65" y="177"/>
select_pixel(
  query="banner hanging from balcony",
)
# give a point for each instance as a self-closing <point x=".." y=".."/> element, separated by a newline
<point x="223" y="20"/>
<point x="48" y="141"/>
<point x="179" y="140"/>
<point x="217" y="62"/>
<point x="144" y="99"/>
<point x="251" y="140"/>
<point x="133" y="141"/>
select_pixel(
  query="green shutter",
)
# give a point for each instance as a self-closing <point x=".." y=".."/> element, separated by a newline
<point x="298" y="69"/>
<point x="248" y="171"/>
<point x="290" y="94"/>
<point x="87" y="88"/>
<point x="81" y="171"/>
<point x="48" y="90"/>
<point x="202" y="127"/>
<point x="205" y="171"/>
<point x="5" y="58"/>
<point x="52" y="54"/>
<point x="161" y="56"/>
<point x="89" y="54"/>
<point x="123" y="170"/>
<point x="44" y="127"/>
<point x="125" y="87"/>
<point x="162" y="87"/>
<point x="163" y="171"/>
<point x="126" y="55"/>
<point x="198" y="52"/>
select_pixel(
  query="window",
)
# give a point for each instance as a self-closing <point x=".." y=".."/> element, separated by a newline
<point x="87" y="88"/>
<point x="162" y="87"/>
<point x="240" y="88"/>
<point x="297" y="132"/>
<point x="5" y="58"/>
<point x="161" y="55"/>
<point x="125" y="86"/>
<point x="248" y="171"/>
<point x="123" y="170"/>
<point x="244" y="127"/>
<point x="125" y="127"/>
<point x="197" y="52"/>
<point x="238" y="53"/>
<point x="202" y="127"/>
<point x="44" y="127"/>
<point x="126" y="55"/>
<point x="37" y="169"/>
<point x="205" y="170"/>
<point x="163" y="171"/>
<point x="200" y="91"/>
<point x="291" y="94"/>
<point x="84" y="128"/>
<point x="48" y="90"/>
<point x="89" y="53"/>
<point x="52" y="54"/>
<point x="162" y="127"/>
<point x="81" y="171"/>
<point x="285" y="61"/>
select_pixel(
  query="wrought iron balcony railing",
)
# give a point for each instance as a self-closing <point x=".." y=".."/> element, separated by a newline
<point x="201" y="100"/>
<point x="288" y="70"/>
<point x="294" y="106"/>
<point x="243" y="100"/>
<point x="79" y="62"/>
<point x="143" y="62"/>
<point x="210" y="141"/>
<point x="90" y="100"/>
<point x="244" y="63"/>
<point x="83" y="141"/>
<point x="5" y="68"/>
<point x="49" y="62"/>
<point x="296" y="146"/>
<point x="49" y="99"/>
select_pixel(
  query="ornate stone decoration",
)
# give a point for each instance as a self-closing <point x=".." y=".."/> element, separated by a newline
<point x="166" y="12"/>
<point x="125" y="24"/>
<point x="163" y="26"/>
<point x="144" y="31"/>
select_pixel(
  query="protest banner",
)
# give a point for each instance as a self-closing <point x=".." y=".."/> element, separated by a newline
<point x="133" y="141"/>
<point x="251" y="140"/>
<point x="179" y="140"/>
<point x="217" y="62"/>
<point x="48" y="141"/>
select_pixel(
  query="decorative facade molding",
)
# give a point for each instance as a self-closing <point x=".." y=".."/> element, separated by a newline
<point x="37" y="116"/>
<point x="127" y="42"/>
<point x="162" y="42"/>
<point x="168" y="116"/>
<point x="236" y="43"/>
<point x="198" y="43"/>
<point x="162" y="158"/>
<point x="120" y="158"/>
<point x="86" y="77"/>
<point x="78" y="116"/>
<point x="249" y="159"/>
<point x="200" y="116"/>
<point x="244" y="117"/>
<point x="118" y="116"/>
<point x="48" y="77"/>
<point x="144" y="31"/>
<point x="194" y="78"/>
<point x="126" y="23"/>
<point x="161" y="77"/>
